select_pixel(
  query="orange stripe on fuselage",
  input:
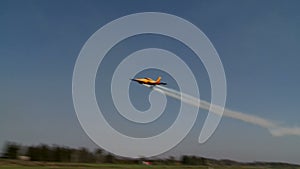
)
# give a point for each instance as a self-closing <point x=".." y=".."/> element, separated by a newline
<point x="148" y="80"/>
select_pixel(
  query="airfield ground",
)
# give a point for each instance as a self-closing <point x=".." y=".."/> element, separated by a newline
<point x="17" y="164"/>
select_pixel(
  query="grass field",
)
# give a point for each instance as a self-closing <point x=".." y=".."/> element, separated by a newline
<point x="17" y="164"/>
<point x="101" y="166"/>
<point x="124" y="166"/>
<point x="121" y="166"/>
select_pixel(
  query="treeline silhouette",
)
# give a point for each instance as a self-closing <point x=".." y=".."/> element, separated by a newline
<point x="57" y="153"/>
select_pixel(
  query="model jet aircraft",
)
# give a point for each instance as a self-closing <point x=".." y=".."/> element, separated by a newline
<point x="149" y="81"/>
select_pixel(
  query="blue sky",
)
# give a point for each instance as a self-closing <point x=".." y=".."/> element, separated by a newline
<point x="257" y="41"/>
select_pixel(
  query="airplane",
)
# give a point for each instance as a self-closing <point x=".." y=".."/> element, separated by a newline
<point x="149" y="81"/>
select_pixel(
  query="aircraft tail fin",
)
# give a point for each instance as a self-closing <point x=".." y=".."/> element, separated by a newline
<point x="158" y="79"/>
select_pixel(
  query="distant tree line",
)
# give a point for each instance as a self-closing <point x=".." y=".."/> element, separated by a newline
<point x="55" y="153"/>
<point x="193" y="160"/>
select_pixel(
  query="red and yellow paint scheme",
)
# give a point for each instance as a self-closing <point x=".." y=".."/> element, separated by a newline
<point x="149" y="81"/>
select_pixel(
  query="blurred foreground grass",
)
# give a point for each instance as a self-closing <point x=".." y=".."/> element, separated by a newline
<point x="16" y="164"/>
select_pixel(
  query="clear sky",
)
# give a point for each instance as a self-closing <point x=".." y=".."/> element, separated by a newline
<point x="257" y="41"/>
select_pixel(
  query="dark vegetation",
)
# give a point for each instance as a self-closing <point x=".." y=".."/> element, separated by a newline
<point x="44" y="153"/>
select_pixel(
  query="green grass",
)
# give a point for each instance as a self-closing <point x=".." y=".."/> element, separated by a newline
<point x="121" y="166"/>
<point x="17" y="164"/>
<point x="103" y="166"/>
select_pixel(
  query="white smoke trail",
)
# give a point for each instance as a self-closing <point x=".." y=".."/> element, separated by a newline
<point x="274" y="128"/>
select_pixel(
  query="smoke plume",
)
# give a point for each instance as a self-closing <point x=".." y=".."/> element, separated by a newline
<point x="274" y="128"/>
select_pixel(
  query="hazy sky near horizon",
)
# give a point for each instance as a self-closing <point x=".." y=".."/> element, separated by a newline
<point x="257" y="41"/>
